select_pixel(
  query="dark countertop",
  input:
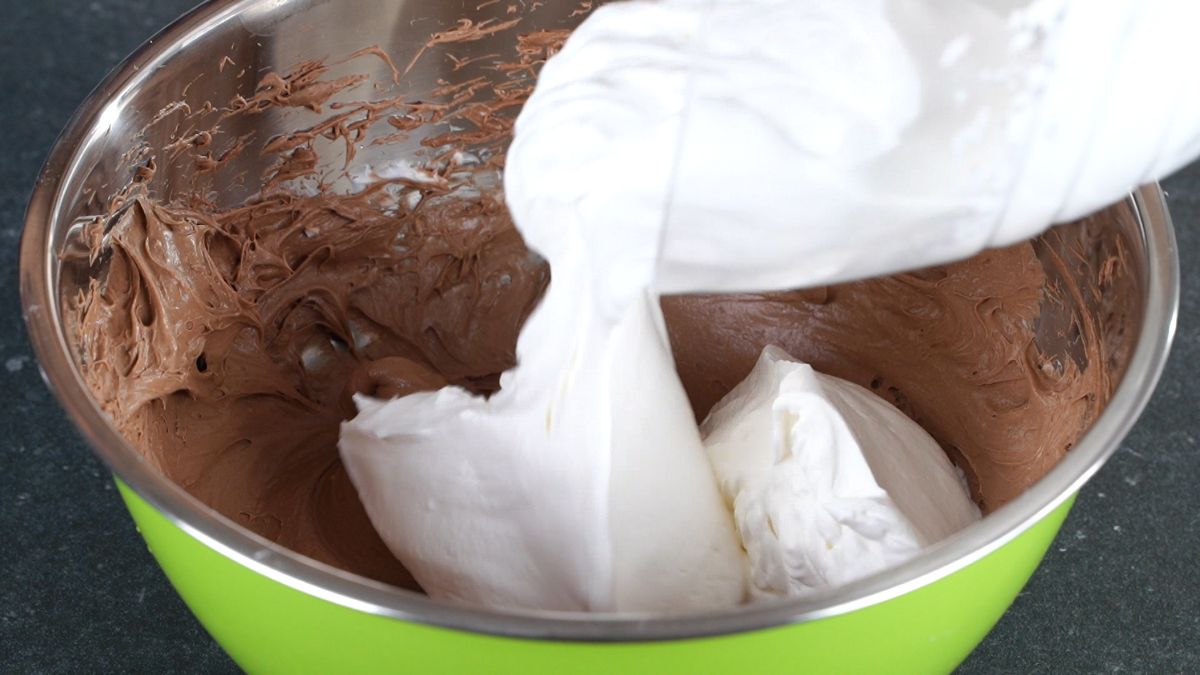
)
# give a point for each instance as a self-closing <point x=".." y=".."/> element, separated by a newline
<point x="1118" y="592"/>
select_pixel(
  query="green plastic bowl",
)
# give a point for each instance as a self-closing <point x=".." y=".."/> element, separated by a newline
<point x="276" y="611"/>
<point x="268" y="626"/>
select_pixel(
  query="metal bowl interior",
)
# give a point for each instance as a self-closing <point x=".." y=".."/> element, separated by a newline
<point x="184" y="63"/>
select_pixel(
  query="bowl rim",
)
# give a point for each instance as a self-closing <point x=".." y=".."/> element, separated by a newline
<point x="44" y="326"/>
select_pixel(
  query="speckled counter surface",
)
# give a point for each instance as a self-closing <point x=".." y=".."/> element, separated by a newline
<point x="1118" y="592"/>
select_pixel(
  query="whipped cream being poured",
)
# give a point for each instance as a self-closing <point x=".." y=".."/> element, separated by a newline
<point x="722" y="145"/>
<point x="582" y="484"/>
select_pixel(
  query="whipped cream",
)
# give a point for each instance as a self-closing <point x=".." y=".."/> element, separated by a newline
<point x="581" y="485"/>
<point x="829" y="483"/>
<point x="821" y="141"/>
<point x="728" y="145"/>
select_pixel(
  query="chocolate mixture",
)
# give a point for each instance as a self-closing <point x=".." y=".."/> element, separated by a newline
<point x="954" y="347"/>
<point x="227" y="345"/>
<point x="225" y="342"/>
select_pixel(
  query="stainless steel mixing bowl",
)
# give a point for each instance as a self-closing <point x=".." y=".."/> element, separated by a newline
<point x="276" y="610"/>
